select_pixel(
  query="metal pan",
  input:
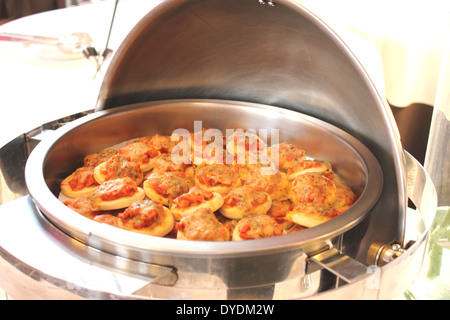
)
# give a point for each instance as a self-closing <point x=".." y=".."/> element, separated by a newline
<point x="258" y="261"/>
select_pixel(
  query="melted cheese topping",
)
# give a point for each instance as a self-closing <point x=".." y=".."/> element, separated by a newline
<point x="202" y="225"/>
<point x="286" y="155"/>
<point x="140" y="153"/>
<point x="257" y="227"/>
<point x="147" y="217"/>
<point x="218" y="178"/>
<point x="313" y="187"/>
<point x="164" y="163"/>
<point x="79" y="183"/>
<point x="315" y="212"/>
<point x="116" y="194"/>
<point x="196" y="198"/>
<point x="276" y="185"/>
<point x="163" y="144"/>
<point x="118" y="167"/>
<point x="163" y="187"/>
<point x="94" y="159"/>
<point x="245" y="201"/>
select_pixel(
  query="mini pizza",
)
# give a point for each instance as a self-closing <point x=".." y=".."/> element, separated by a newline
<point x="163" y="187"/>
<point x="147" y="217"/>
<point x="257" y="227"/>
<point x="94" y="159"/>
<point x="79" y="183"/>
<point x="195" y="199"/>
<point x="245" y="201"/>
<point x="218" y="178"/>
<point x="300" y="167"/>
<point x="202" y="225"/>
<point x="311" y="214"/>
<point x="276" y="185"/>
<point x="313" y="187"/>
<point x="286" y="155"/>
<point x="118" y="167"/>
<point x="116" y="194"/>
<point x="140" y="153"/>
<point x="82" y="205"/>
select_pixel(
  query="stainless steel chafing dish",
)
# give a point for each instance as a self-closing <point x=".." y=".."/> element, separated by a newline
<point x="234" y="64"/>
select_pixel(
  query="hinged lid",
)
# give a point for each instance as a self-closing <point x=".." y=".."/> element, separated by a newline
<point x="274" y="53"/>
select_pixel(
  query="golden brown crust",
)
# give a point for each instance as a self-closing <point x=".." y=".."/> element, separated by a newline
<point x="202" y="225"/>
<point x="147" y="217"/>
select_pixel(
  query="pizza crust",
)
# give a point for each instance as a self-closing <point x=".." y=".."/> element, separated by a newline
<point x="213" y="204"/>
<point x="67" y="190"/>
<point x="309" y="215"/>
<point x="159" y="229"/>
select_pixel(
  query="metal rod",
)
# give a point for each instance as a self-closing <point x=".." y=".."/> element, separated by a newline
<point x="111" y="25"/>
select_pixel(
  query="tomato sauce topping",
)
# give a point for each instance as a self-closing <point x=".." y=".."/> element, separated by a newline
<point x="83" y="177"/>
<point x="120" y="167"/>
<point x="245" y="196"/>
<point x="139" y="152"/>
<point x="204" y="226"/>
<point x="259" y="227"/>
<point x="193" y="198"/>
<point x="217" y="174"/>
<point x="169" y="184"/>
<point x="116" y="189"/>
<point x="142" y="214"/>
<point x="314" y="188"/>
